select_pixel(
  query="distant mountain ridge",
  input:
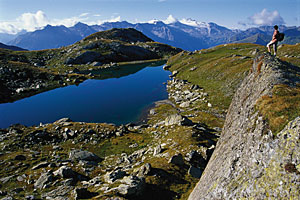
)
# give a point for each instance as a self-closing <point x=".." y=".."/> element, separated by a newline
<point x="14" y="48"/>
<point x="189" y="36"/>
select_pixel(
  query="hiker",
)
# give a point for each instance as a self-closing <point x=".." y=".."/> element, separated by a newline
<point x="274" y="40"/>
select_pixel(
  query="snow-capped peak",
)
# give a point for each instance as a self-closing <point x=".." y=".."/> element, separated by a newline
<point x="170" y="20"/>
<point x="192" y="22"/>
<point x="154" y="21"/>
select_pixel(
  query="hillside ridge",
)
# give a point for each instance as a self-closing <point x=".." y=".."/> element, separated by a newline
<point x="254" y="157"/>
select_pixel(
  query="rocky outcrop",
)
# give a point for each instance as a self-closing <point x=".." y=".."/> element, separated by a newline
<point x="249" y="161"/>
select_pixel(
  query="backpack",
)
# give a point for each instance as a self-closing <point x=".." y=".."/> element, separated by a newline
<point x="280" y="37"/>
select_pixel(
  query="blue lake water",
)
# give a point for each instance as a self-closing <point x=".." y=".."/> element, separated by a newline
<point x="114" y="100"/>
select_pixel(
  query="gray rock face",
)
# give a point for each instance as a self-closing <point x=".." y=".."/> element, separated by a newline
<point x="84" y="155"/>
<point x="131" y="185"/>
<point x="43" y="180"/>
<point x="177" y="119"/>
<point x="62" y="192"/>
<point x="249" y="162"/>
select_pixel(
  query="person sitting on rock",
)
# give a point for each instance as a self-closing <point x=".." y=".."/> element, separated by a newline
<point x="274" y="41"/>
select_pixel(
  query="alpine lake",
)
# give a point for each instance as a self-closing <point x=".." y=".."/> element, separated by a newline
<point x="117" y="96"/>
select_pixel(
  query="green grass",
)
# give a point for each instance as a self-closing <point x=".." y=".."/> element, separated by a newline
<point x="280" y="108"/>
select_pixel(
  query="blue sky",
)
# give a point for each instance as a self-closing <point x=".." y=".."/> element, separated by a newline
<point x="16" y="15"/>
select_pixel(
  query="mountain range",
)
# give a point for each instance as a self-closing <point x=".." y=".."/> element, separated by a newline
<point x="191" y="35"/>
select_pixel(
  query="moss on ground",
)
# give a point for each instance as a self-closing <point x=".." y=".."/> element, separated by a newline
<point x="280" y="108"/>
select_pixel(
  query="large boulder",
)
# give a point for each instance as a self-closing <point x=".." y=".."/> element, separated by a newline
<point x="65" y="172"/>
<point x="131" y="185"/>
<point x="43" y="180"/>
<point x="111" y="177"/>
<point x="177" y="119"/>
<point x="83" y="156"/>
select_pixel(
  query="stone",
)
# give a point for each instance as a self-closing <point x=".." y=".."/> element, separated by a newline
<point x="82" y="193"/>
<point x="40" y="165"/>
<point x="195" y="87"/>
<point x="177" y="160"/>
<point x="144" y="170"/>
<point x="131" y="186"/>
<point x="166" y="67"/>
<point x="62" y="120"/>
<point x="96" y="64"/>
<point x="65" y="172"/>
<point x="43" y="180"/>
<point x="20" y="157"/>
<point x="195" y="172"/>
<point x="174" y="73"/>
<point x="68" y="134"/>
<point x="6" y="179"/>
<point x="60" y="193"/>
<point x="84" y="155"/>
<point x="152" y="112"/>
<point x="184" y="104"/>
<point x="177" y="119"/>
<point x="193" y="69"/>
<point x="209" y="105"/>
<point x="30" y="197"/>
<point x="157" y="150"/>
<point x="111" y="177"/>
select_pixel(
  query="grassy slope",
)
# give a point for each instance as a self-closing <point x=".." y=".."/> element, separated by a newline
<point x="219" y="71"/>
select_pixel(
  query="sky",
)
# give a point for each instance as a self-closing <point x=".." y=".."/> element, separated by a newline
<point x="29" y="15"/>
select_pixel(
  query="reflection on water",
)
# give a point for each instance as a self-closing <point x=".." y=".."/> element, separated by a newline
<point x="114" y="100"/>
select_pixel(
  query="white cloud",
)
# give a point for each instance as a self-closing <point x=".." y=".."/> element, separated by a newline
<point x="34" y="21"/>
<point x="266" y="18"/>
<point x="162" y="0"/>
<point x="27" y="21"/>
<point x="84" y="14"/>
<point x="113" y="19"/>
<point x="170" y="20"/>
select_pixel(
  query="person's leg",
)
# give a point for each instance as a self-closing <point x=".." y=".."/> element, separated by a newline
<point x="275" y="48"/>
<point x="268" y="45"/>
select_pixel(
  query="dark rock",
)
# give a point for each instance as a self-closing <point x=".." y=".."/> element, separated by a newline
<point x="65" y="172"/>
<point x="110" y="177"/>
<point x="177" y="160"/>
<point x="166" y="67"/>
<point x="20" y="157"/>
<point x="3" y="193"/>
<point x="144" y="170"/>
<point x="195" y="172"/>
<point x="195" y="87"/>
<point x="83" y="193"/>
